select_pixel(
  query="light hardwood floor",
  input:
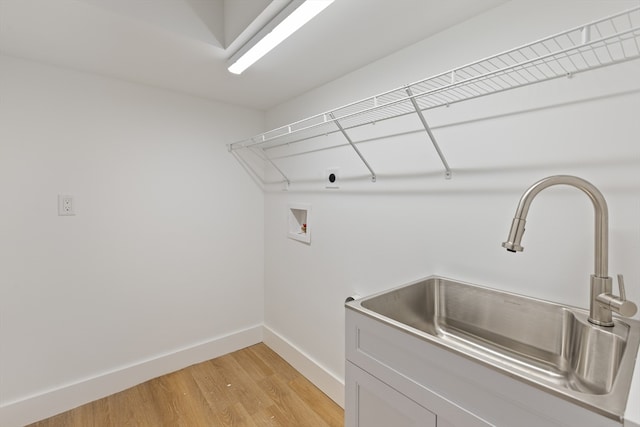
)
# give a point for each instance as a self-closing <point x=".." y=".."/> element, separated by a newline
<point x="250" y="387"/>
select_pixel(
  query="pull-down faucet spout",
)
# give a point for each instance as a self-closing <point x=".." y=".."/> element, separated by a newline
<point x="602" y="301"/>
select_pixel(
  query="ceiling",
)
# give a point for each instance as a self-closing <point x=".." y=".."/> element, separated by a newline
<point x="184" y="45"/>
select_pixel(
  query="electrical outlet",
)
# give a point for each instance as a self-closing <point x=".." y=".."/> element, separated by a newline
<point x="66" y="206"/>
<point x="332" y="178"/>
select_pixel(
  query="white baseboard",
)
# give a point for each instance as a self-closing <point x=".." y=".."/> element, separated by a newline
<point x="51" y="402"/>
<point x="331" y="385"/>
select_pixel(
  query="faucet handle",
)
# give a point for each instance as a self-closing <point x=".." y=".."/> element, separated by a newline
<point x="623" y="294"/>
<point x="620" y="304"/>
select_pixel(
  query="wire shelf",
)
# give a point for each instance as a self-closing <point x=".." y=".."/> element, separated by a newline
<point x="597" y="44"/>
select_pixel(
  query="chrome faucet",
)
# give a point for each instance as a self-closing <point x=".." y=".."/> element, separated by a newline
<point x="603" y="302"/>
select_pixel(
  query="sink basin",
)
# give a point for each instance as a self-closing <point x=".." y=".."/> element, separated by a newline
<point x="548" y="345"/>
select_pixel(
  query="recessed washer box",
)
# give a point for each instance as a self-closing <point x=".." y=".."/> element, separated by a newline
<point x="299" y="222"/>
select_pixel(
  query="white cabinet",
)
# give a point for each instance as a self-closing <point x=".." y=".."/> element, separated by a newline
<point x="393" y="375"/>
<point x="379" y="393"/>
<point x="372" y="403"/>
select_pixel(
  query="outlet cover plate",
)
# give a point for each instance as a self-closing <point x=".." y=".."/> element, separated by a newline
<point x="66" y="205"/>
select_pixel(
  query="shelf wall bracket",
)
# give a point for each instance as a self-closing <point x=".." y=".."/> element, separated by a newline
<point x="447" y="173"/>
<point x="266" y="158"/>
<point x="344" y="132"/>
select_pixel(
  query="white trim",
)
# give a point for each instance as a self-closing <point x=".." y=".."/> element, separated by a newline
<point x="51" y="402"/>
<point x="322" y="378"/>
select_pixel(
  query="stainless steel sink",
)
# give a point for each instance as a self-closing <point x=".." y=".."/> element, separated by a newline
<point x="545" y="344"/>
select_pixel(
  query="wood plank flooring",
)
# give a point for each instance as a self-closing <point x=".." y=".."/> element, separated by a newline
<point x="252" y="387"/>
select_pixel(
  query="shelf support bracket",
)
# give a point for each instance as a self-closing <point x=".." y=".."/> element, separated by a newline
<point x="344" y="132"/>
<point x="264" y="156"/>
<point x="447" y="173"/>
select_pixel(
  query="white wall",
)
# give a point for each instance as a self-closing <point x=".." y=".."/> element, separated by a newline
<point x="163" y="264"/>
<point x="411" y="223"/>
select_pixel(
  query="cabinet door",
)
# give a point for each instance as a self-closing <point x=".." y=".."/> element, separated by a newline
<point x="372" y="403"/>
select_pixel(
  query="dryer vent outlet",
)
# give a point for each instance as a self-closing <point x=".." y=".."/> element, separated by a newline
<point x="332" y="178"/>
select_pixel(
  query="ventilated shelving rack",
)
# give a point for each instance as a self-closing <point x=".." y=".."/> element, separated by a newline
<point x="608" y="41"/>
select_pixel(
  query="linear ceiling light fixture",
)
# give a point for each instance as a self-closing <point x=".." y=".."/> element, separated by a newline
<point x="289" y="20"/>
